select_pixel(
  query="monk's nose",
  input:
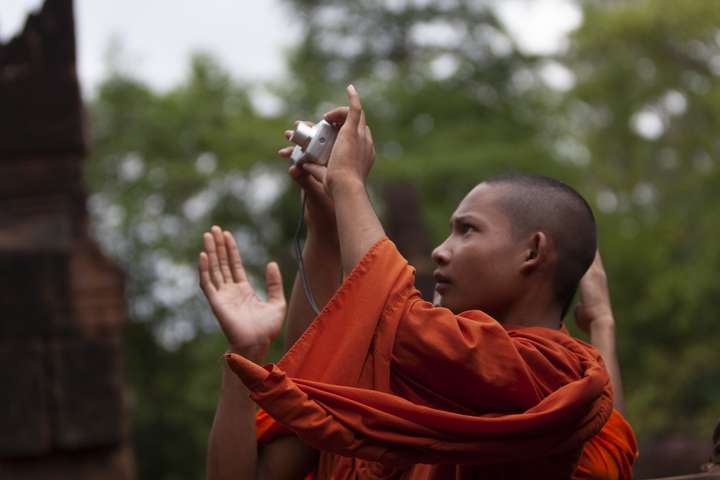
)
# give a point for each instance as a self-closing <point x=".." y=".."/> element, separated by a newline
<point x="441" y="254"/>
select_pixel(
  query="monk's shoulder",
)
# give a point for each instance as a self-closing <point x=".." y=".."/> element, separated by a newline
<point x="554" y="355"/>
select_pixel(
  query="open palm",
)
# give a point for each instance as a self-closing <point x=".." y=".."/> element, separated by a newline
<point x="249" y="323"/>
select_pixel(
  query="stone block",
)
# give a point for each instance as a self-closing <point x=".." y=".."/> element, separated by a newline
<point x="98" y="291"/>
<point x="24" y="416"/>
<point x="39" y="183"/>
<point x="107" y="463"/>
<point x="34" y="294"/>
<point x="86" y="393"/>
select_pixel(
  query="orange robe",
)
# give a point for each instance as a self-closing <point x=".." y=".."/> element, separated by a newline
<point x="387" y="386"/>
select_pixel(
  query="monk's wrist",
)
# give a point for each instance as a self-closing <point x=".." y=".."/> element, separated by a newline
<point x="341" y="185"/>
<point x="255" y="353"/>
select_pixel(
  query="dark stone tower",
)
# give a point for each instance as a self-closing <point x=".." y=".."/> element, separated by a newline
<point x="62" y="307"/>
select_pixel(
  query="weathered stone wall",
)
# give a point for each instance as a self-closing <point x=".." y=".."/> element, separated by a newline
<point x="62" y="308"/>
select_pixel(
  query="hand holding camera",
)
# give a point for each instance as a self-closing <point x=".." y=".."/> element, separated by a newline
<point x="348" y="153"/>
<point x="319" y="214"/>
<point x="353" y="154"/>
<point x="338" y="150"/>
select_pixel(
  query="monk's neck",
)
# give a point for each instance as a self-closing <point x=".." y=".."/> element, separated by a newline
<point x="533" y="313"/>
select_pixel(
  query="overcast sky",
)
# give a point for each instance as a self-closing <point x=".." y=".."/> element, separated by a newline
<point x="248" y="37"/>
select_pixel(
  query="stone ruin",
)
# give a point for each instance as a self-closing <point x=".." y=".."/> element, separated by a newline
<point x="62" y="302"/>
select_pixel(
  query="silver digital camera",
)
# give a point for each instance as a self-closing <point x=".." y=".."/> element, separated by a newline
<point x="313" y="143"/>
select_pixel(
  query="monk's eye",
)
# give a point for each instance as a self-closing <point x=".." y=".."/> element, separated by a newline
<point x="466" y="228"/>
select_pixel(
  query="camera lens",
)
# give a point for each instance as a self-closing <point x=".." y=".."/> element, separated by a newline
<point x="302" y="134"/>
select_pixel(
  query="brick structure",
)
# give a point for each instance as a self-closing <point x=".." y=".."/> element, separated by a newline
<point x="63" y="409"/>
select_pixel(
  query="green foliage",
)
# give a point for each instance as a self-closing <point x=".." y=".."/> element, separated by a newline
<point x="646" y="106"/>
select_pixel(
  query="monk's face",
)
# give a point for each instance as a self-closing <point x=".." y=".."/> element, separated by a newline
<point x="478" y="262"/>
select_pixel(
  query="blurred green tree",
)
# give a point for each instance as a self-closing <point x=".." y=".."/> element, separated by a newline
<point x="645" y="112"/>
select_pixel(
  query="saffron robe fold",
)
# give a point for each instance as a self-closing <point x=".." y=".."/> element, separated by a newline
<point x="387" y="386"/>
<point x="610" y="454"/>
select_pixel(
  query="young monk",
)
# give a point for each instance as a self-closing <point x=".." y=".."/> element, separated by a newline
<point x="384" y="385"/>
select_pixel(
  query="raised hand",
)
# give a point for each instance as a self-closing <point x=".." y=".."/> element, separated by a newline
<point x="249" y="323"/>
<point x="353" y="154"/>
<point x="594" y="309"/>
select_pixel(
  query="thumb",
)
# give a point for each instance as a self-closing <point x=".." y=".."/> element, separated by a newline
<point x="273" y="281"/>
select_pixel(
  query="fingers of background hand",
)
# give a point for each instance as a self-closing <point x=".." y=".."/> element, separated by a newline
<point x="285" y="152"/>
<point x="222" y="253"/>
<point x="273" y="280"/>
<point x="213" y="264"/>
<point x="337" y="115"/>
<point x="308" y="183"/>
<point x="353" y="117"/>
<point x="295" y="171"/>
<point x="204" y="274"/>
<point x="317" y="172"/>
<point x="236" y="266"/>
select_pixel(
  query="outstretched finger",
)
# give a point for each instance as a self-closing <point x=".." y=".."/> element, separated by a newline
<point x="213" y="264"/>
<point x="222" y="253"/>
<point x="353" y="117"/>
<point x="236" y="266"/>
<point x="285" y="152"/>
<point x="273" y="280"/>
<point x="295" y="171"/>
<point x="204" y="274"/>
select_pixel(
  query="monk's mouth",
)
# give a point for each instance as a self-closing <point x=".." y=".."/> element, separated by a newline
<point x="441" y="287"/>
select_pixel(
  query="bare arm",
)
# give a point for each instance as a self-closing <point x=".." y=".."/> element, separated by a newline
<point x="594" y="316"/>
<point x="232" y="448"/>
<point x="249" y="325"/>
<point x="322" y="267"/>
<point x="350" y="162"/>
<point x="321" y="253"/>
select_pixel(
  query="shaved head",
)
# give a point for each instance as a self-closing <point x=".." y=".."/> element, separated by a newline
<point x="536" y="203"/>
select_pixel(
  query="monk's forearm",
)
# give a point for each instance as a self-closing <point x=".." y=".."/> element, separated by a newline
<point x="321" y="257"/>
<point x="358" y="226"/>
<point x="602" y="336"/>
<point x="232" y="445"/>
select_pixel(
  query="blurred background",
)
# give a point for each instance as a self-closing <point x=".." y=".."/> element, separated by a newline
<point x="186" y="102"/>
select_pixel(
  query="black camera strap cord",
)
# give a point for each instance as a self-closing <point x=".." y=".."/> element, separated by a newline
<point x="301" y="264"/>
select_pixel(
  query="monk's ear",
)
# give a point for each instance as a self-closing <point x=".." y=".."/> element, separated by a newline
<point x="536" y="252"/>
